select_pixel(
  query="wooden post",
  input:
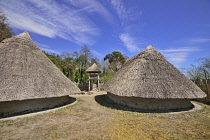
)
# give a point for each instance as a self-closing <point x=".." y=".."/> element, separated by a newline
<point x="89" y="83"/>
<point x="98" y="83"/>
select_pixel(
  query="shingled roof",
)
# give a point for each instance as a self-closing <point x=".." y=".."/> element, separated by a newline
<point x="27" y="73"/>
<point x="149" y="75"/>
<point x="93" y="68"/>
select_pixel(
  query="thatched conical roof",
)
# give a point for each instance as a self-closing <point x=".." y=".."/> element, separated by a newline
<point x="149" y="75"/>
<point x="27" y="73"/>
<point x="94" y="68"/>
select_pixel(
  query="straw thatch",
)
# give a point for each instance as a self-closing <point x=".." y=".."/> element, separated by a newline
<point x="149" y="75"/>
<point x="27" y="73"/>
<point x="93" y="69"/>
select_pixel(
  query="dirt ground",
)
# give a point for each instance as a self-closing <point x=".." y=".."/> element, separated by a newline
<point x="94" y="117"/>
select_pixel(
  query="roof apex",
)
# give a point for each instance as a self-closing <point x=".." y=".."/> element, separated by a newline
<point x="150" y="47"/>
<point x="23" y="35"/>
<point x="93" y="68"/>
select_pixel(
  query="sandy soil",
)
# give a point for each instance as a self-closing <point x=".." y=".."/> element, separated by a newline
<point x="84" y="120"/>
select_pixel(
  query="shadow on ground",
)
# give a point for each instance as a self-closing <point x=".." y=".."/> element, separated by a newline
<point x="71" y="100"/>
<point x="207" y="102"/>
<point x="103" y="100"/>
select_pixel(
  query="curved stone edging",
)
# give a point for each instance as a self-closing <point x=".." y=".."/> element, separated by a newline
<point x="104" y="100"/>
<point x="37" y="113"/>
<point x="197" y="107"/>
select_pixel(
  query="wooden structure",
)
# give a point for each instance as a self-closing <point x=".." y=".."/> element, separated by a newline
<point x="93" y="71"/>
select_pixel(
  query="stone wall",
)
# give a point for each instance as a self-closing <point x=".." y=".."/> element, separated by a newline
<point x="85" y="86"/>
<point x="151" y="104"/>
<point x="11" y="108"/>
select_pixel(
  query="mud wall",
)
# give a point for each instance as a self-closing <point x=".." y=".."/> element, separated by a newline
<point x="10" y="108"/>
<point x="151" y="104"/>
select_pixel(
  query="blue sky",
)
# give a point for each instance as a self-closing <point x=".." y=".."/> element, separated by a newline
<point x="179" y="29"/>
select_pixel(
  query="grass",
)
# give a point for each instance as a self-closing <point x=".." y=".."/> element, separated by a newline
<point x="90" y="120"/>
<point x="128" y="124"/>
<point x="184" y="126"/>
<point x="66" y="110"/>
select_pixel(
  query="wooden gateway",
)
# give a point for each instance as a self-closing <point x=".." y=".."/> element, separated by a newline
<point x="93" y="71"/>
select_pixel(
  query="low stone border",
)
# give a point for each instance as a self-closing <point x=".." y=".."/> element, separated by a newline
<point x="36" y="113"/>
<point x="196" y="107"/>
<point x="103" y="100"/>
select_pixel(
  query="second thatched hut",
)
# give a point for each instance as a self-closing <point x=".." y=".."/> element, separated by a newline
<point x="148" y="81"/>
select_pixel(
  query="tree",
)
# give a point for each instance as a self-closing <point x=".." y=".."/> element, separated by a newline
<point x="116" y="60"/>
<point x="200" y="74"/>
<point x="74" y="65"/>
<point x="68" y="65"/>
<point x="5" y="30"/>
<point x="94" y="60"/>
<point x="86" y="55"/>
<point x="111" y="63"/>
<point x="106" y="76"/>
<point x="104" y="66"/>
<point x="126" y="57"/>
<point x="56" y="59"/>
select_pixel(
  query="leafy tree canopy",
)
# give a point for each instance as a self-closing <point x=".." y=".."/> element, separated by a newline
<point x="116" y="60"/>
<point x="115" y="56"/>
<point x="5" y="30"/>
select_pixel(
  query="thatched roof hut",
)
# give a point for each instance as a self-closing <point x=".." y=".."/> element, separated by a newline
<point x="93" y="69"/>
<point x="154" y="83"/>
<point x="26" y="73"/>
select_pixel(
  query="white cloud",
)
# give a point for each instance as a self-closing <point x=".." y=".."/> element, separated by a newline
<point x="96" y="53"/>
<point x="25" y="23"/>
<point x="46" y="48"/>
<point x="199" y="40"/>
<point x="120" y="9"/>
<point x="51" y="18"/>
<point x="184" y="49"/>
<point x="129" y="42"/>
<point x="125" y="12"/>
<point x="93" y="6"/>
<point x="178" y="56"/>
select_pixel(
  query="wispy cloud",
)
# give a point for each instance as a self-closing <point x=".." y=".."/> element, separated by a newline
<point x="96" y="53"/>
<point x="129" y="42"/>
<point x="177" y="56"/>
<point x="120" y="8"/>
<point x="198" y="40"/>
<point x="127" y="15"/>
<point x="124" y="12"/>
<point x="66" y="19"/>
<point x="47" y="48"/>
<point x="91" y="6"/>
